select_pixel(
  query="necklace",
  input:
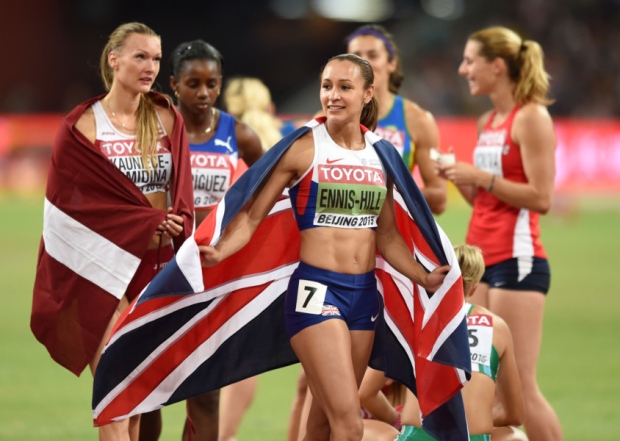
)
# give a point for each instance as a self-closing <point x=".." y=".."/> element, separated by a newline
<point x="107" y="103"/>
<point x="210" y="128"/>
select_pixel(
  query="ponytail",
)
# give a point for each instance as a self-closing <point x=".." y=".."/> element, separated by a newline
<point x="524" y="61"/>
<point x="533" y="82"/>
<point x="370" y="114"/>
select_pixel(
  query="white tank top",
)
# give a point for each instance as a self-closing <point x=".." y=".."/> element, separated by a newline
<point x="120" y="150"/>
<point x="342" y="188"/>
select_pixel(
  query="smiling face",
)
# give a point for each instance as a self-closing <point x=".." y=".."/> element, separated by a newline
<point x="343" y="92"/>
<point x="480" y="73"/>
<point x="136" y="63"/>
<point x="373" y="50"/>
<point x="198" y="84"/>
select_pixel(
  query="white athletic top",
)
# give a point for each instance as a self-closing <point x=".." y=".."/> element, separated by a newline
<point x="342" y="188"/>
<point x="119" y="149"/>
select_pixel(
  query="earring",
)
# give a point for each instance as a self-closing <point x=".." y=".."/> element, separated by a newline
<point x="176" y="93"/>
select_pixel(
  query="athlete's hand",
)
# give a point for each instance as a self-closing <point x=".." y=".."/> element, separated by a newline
<point x="172" y="226"/>
<point x="209" y="255"/>
<point x="460" y="173"/>
<point x="435" y="278"/>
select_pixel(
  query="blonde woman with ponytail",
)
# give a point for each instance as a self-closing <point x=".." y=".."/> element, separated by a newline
<point x="118" y="203"/>
<point x="510" y="184"/>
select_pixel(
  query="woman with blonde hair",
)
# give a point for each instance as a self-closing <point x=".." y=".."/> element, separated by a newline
<point x="248" y="99"/>
<point x="510" y="184"/>
<point x="494" y="372"/>
<point x="119" y="203"/>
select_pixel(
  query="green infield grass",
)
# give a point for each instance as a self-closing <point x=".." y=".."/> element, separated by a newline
<point x="578" y="369"/>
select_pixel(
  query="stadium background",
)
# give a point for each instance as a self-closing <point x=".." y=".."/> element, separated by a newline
<point x="50" y="63"/>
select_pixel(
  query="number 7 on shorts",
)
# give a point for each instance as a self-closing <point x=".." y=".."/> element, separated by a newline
<point x="310" y="297"/>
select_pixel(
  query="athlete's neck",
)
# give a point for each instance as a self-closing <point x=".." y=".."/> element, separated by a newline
<point x="385" y="98"/>
<point x="348" y="136"/>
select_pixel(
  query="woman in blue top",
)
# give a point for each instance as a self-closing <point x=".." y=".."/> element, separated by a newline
<point x="218" y="145"/>
<point x="411" y="129"/>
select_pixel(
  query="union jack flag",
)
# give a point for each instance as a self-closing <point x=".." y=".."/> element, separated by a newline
<point x="330" y="310"/>
<point x="197" y="329"/>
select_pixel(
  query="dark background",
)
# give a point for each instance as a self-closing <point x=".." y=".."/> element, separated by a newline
<point x="51" y="48"/>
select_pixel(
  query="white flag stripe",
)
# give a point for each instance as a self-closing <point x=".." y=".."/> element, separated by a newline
<point x="87" y="253"/>
<point x="204" y="296"/>
<point x="209" y="347"/>
<point x="153" y="356"/>
<point x="163" y="392"/>
<point x="395" y="330"/>
<point x="446" y="333"/>
<point x="189" y="262"/>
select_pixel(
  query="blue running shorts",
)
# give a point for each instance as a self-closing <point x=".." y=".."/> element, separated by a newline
<point x="315" y="295"/>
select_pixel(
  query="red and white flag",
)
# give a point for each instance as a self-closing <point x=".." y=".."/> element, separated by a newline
<point x="96" y="228"/>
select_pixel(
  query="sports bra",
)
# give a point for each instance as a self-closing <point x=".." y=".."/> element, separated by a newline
<point x="120" y="149"/>
<point x="342" y="188"/>
<point x="214" y="163"/>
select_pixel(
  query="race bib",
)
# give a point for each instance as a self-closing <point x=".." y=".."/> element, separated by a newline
<point x="310" y="297"/>
<point x="480" y="331"/>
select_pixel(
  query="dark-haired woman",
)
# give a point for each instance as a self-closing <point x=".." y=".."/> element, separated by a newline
<point x="332" y="295"/>
<point x="218" y="146"/>
<point x="411" y="129"/>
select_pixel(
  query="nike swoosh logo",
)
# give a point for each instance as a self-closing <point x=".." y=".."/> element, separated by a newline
<point x="331" y="161"/>
<point x="372" y="319"/>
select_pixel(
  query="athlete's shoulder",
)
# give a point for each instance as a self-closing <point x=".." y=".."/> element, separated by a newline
<point x="86" y="125"/>
<point x="477" y="310"/>
<point x="418" y="117"/>
<point x="415" y="110"/>
<point x="531" y="112"/>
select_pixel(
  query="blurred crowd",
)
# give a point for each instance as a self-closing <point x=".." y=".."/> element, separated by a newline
<point x="577" y="36"/>
<point x="52" y="66"/>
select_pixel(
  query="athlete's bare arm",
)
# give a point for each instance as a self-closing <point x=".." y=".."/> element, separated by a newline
<point x="392" y="247"/>
<point x="238" y="233"/>
<point x="423" y="128"/>
<point x="510" y="407"/>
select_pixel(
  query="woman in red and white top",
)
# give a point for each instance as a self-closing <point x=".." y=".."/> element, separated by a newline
<point x="509" y="185"/>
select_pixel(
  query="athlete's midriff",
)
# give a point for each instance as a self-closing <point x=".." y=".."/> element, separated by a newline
<point x="342" y="250"/>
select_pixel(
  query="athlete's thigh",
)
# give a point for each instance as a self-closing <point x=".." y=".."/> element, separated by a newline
<point x="361" y="346"/>
<point x="324" y="351"/>
<point x="523" y="312"/>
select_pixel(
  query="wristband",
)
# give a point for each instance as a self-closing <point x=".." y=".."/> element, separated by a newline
<point x="491" y="184"/>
